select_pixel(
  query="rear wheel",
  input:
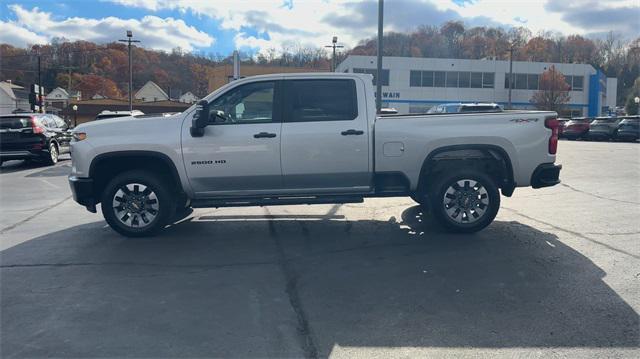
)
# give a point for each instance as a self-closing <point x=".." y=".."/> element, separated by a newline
<point x="465" y="200"/>
<point x="52" y="158"/>
<point x="137" y="204"/>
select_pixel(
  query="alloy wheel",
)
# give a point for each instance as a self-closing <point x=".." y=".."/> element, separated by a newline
<point x="466" y="201"/>
<point x="135" y="205"/>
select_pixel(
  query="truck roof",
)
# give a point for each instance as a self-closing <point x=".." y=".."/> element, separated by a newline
<point x="307" y="75"/>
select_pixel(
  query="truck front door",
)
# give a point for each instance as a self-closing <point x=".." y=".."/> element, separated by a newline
<point x="325" y="138"/>
<point x="239" y="154"/>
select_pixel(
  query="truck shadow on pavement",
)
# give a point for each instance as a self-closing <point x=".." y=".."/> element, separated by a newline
<point x="280" y="286"/>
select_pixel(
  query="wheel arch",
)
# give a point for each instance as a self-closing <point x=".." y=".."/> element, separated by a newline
<point x="105" y="166"/>
<point x="441" y="157"/>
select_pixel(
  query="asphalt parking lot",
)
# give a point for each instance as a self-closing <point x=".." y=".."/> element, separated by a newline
<point x="556" y="275"/>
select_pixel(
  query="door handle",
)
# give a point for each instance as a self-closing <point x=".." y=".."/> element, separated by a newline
<point x="352" y="132"/>
<point x="264" y="135"/>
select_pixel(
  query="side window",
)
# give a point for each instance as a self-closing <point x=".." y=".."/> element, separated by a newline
<point x="59" y="122"/>
<point x="321" y="100"/>
<point x="250" y="103"/>
<point x="48" y="121"/>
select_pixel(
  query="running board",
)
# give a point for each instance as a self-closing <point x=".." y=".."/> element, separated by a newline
<point x="272" y="201"/>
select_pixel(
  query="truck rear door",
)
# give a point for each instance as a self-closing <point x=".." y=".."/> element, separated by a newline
<point x="325" y="137"/>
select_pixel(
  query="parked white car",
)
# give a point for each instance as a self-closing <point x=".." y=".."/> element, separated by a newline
<point x="305" y="139"/>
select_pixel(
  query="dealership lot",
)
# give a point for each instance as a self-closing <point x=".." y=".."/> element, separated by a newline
<point x="557" y="274"/>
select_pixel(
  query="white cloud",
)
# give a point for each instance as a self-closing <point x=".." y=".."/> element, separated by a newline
<point x="301" y="24"/>
<point x="153" y="31"/>
<point x="562" y="16"/>
<point x="13" y="34"/>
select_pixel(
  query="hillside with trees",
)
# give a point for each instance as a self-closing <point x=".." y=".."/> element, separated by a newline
<point x="102" y="69"/>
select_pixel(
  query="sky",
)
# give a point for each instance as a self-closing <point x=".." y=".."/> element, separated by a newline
<point x="255" y="26"/>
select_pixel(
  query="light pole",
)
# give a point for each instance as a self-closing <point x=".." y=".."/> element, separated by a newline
<point x="129" y="40"/>
<point x="379" y="67"/>
<point x="75" y="115"/>
<point x="637" y="101"/>
<point x="334" y="45"/>
<point x="510" y="73"/>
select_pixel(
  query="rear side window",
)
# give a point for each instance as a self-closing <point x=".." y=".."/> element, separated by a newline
<point x="14" y="123"/>
<point x="321" y="100"/>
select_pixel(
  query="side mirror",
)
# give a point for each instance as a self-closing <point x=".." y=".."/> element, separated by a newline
<point x="200" y="119"/>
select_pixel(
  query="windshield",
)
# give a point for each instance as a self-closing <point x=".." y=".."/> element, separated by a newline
<point x="115" y="115"/>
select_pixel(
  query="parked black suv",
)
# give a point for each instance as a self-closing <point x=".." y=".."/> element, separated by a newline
<point x="33" y="136"/>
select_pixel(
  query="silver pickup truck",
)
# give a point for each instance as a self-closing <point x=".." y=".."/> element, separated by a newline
<point x="307" y="139"/>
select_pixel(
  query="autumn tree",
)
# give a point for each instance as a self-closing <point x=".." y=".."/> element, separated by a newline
<point x="553" y="91"/>
<point x="91" y="85"/>
<point x="630" y="105"/>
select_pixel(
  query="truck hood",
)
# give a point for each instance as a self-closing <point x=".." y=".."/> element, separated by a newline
<point x="130" y="125"/>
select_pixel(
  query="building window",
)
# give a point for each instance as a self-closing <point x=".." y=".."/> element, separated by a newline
<point x="521" y="82"/>
<point x="464" y="79"/>
<point x="568" y="80"/>
<point x="533" y="81"/>
<point x="438" y="79"/>
<point x="578" y="83"/>
<point x="415" y="78"/>
<point x="384" y="76"/>
<point x="427" y="78"/>
<point x="476" y="80"/>
<point x="488" y="79"/>
<point x="452" y="79"/>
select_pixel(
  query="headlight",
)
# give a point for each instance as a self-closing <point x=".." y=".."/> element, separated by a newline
<point x="79" y="136"/>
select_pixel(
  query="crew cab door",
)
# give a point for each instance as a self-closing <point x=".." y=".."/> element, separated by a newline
<point x="239" y="153"/>
<point x="325" y="137"/>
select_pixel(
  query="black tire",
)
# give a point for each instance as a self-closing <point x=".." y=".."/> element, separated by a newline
<point x="160" y="193"/>
<point x="52" y="156"/>
<point x="182" y="213"/>
<point x="477" y="199"/>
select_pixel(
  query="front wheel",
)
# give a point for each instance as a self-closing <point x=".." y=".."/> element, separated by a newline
<point x="465" y="200"/>
<point x="137" y="204"/>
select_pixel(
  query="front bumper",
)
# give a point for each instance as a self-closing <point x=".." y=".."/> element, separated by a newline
<point x="546" y="175"/>
<point x="82" y="190"/>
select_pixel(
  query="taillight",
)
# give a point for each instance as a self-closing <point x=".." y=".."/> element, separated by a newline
<point x="35" y="127"/>
<point x="552" y="123"/>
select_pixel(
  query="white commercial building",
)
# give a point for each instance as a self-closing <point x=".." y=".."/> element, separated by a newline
<point x="413" y="85"/>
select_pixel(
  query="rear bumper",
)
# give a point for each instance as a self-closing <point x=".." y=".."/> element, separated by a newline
<point x="19" y="155"/>
<point x="82" y="190"/>
<point x="546" y="175"/>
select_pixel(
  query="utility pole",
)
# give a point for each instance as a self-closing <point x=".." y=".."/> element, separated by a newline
<point x="510" y="73"/>
<point x="334" y="45"/>
<point x="40" y="90"/>
<point x="129" y="40"/>
<point x="379" y="69"/>
<point x="69" y="68"/>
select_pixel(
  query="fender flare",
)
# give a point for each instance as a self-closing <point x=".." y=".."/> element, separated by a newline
<point x="509" y="185"/>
